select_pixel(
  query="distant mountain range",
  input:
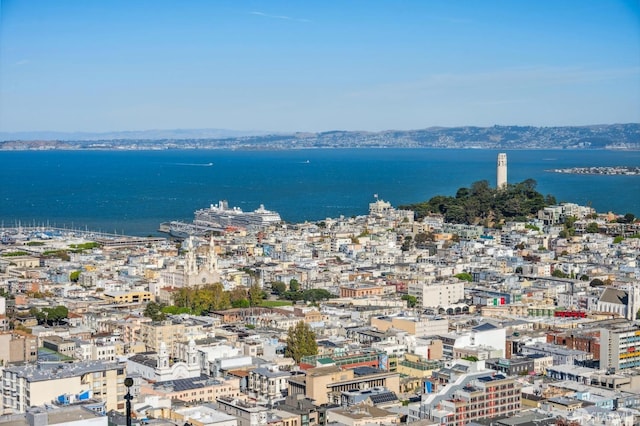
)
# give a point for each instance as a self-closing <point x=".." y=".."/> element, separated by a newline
<point x="606" y="136"/>
<point x="127" y="135"/>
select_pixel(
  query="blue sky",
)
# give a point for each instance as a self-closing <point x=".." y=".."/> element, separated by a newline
<point x="90" y="65"/>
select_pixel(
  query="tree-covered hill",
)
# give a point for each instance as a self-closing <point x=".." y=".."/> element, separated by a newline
<point x="481" y="204"/>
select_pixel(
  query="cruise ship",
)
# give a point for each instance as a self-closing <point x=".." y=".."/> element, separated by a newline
<point x="219" y="218"/>
<point x="223" y="217"/>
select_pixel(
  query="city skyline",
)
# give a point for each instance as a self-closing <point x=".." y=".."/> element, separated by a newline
<point x="278" y="67"/>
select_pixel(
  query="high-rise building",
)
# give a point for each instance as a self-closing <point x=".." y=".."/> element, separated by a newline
<point x="501" y="176"/>
<point x="620" y="347"/>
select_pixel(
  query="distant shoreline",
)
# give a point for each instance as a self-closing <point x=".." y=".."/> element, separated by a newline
<point x="599" y="137"/>
<point x="611" y="171"/>
<point x="301" y="148"/>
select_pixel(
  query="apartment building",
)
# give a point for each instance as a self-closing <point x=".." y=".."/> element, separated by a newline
<point x="268" y="384"/>
<point x="152" y="334"/>
<point x="122" y="297"/>
<point x="196" y="389"/>
<point x="437" y="294"/>
<point x="30" y="385"/>
<point x="417" y="326"/>
<point x="484" y="397"/>
<point x="18" y="347"/>
<point x="620" y="346"/>
<point x="325" y="385"/>
<point x="247" y="414"/>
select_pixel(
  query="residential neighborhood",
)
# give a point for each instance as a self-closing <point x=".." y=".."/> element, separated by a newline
<point x="377" y="319"/>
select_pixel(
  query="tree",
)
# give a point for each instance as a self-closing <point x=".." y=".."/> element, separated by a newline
<point x="255" y="295"/>
<point x="55" y="315"/>
<point x="412" y="301"/>
<point x="592" y="228"/>
<point x="294" y="285"/>
<point x="316" y="294"/>
<point x="301" y="341"/>
<point x="153" y="310"/>
<point x="74" y="276"/>
<point x="596" y="282"/>
<point x="629" y="218"/>
<point x="559" y="274"/>
<point x="464" y="276"/>
<point x="406" y="245"/>
<point x="238" y="294"/>
<point x="240" y="303"/>
<point x="278" y="287"/>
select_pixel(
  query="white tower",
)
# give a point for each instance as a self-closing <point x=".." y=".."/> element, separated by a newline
<point x="633" y="301"/>
<point x="192" y="354"/>
<point x="163" y="357"/>
<point x="501" y="177"/>
<point x="191" y="266"/>
<point x="212" y="259"/>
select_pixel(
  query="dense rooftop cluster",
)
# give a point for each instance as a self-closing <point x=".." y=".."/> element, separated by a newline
<point x="419" y="320"/>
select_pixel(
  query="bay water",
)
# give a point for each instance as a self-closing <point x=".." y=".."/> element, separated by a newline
<point x="132" y="192"/>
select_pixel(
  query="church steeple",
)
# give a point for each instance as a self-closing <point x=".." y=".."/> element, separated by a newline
<point x="192" y="354"/>
<point x="191" y="267"/>
<point x="212" y="259"/>
<point x="163" y="357"/>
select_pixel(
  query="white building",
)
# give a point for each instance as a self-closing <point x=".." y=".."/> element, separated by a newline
<point x="437" y="294"/>
<point x="159" y="368"/>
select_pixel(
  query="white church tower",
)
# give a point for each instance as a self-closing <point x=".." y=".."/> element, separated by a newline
<point x="163" y="357"/>
<point x="212" y="258"/>
<point x="633" y="301"/>
<point x="191" y="266"/>
<point x="501" y="175"/>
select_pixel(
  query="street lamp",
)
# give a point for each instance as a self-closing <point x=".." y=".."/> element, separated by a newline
<point x="128" y="382"/>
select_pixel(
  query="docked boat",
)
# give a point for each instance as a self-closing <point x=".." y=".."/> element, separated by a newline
<point x="224" y="216"/>
<point x="221" y="217"/>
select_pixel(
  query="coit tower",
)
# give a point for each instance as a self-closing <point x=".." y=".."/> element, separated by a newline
<point x="501" y="178"/>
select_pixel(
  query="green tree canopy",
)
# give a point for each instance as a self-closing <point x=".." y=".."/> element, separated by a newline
<point x="278" y="287"/>
<point x="256" y="295"/>
<point x="301" y="341"/>
<point x="412" y="301"/>
<point x="294" y="285"/>
<point x="481" y="203"/>
<point x="464" y="276"/>
<point x="154" y="311"/>
<point x="592" y="228"/>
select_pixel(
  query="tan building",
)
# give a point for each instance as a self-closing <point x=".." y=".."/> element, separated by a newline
<point x="25" y="261"/>
<point x="31" y="385"/>
<point x="60" y="345"/>
<point x="17" y="346"/>
<point x="152" y="334"/>
<point x="356" y="291"/>
<point x="418" y="326"/>
<point x="247" y="413"/>
<point x="121" y="297"/>
<point x="198" y="389"/>
<point x="325" y="384"/>
<point x="415" y="366"/>
<point x="362" y="415"/>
